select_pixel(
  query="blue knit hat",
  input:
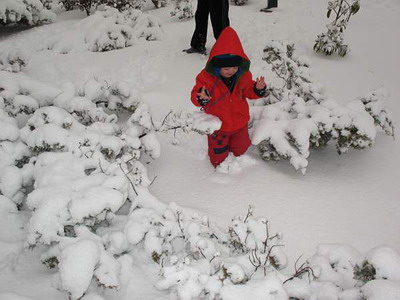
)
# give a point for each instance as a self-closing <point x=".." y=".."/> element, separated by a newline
<point x="226" y="60"/>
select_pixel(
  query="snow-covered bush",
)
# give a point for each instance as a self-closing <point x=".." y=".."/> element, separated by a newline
<point x="68" y="4"/>
<point x="12" y="151"/>
<point x="298" y="116"/>
<point x="17" y="99"/>
<point x="160" y="3"/>
<point x="117" y="4"/>
<point x="128" y="4"/>
<point x="107" y="30"/>
<point x="14" y="177"/>
<point x="74" y="167"/>
<point x="376" y="108"/>
<point x="374" y="265"/>
<point x="80" y="260"/>
<point x="47" y="4"/>
<point x="89" y="6"/>
<point x="74" y="197"/>
<point x="86" y="5"/>
<point x="334" y="263"/>
<point x="117" y="96"/>
<point x="123" y="4"/>
<point x="148" y="27"/>
<point x="56" y="6"/>
<point x="351" y="275"/>
<point x="138" y="4"/>
<point x="20" y="95"/>
<point x="14" y="85"/>
<point x="14" y="60"/>
<point x="183" y="9"/>
<point x="332" y="41"/>
<point x="29" y="12"/>
<point x="197" y="259"/>
<point x="20" y="104"/>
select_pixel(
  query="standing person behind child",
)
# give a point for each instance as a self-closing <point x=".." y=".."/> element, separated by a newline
<point x="222" y="89"/>
<point x="218" y="11"/>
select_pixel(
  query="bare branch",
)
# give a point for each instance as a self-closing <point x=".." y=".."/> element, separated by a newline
<point x="301" y="270"/>
<point x="178" y="213"/>
<point x="130" y="181"/>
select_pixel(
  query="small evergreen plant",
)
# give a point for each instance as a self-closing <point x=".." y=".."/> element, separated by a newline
<point x="85" y="5"/>
<point x="68" y="4"/>
<point x="183" y="9"/>
<point x="364" y="272"/>
<point x="332" y="40"/>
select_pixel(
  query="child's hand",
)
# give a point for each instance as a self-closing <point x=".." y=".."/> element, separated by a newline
<point x="260" y="83"/>
<point x="203" y="97"/>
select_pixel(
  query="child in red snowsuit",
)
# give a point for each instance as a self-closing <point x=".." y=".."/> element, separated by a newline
<point x="222" y="89"/>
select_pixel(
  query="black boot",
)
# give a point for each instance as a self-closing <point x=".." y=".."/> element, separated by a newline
<point x="200" y="50"/>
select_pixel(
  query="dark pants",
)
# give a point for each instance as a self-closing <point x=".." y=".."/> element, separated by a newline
<point x="218" y="11"/>
<point x="220" y="143"/>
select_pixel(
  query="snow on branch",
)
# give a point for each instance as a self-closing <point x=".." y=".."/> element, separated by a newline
<point x="13" y="156"/>
<point x="12" y="60"/>
<point x="22" y="95"/>
<point x="375" y="105"/>
<point x="30" y="12"/>
<point x="81" y="259"/>
<point x="196" y="121"/>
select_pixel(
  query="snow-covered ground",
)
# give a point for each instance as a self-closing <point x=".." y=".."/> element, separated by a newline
<point x="349" y="199"/>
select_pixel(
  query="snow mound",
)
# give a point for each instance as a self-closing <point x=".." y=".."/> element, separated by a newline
<point x="233" y="164"/>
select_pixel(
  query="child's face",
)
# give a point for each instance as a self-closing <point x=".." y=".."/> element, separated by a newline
<point x="228" y="71"/>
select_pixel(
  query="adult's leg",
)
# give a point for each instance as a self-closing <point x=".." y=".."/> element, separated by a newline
<point x="218" y="147"/>
<point x="219" y="13"/>
<point x="240" y="141"/>
<point x="199" y="37"/>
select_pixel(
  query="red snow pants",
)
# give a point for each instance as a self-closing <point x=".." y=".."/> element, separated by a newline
<point x="220" y="143"/>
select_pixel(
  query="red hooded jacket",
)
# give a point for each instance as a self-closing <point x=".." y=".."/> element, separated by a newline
<point x="231" y="107"/>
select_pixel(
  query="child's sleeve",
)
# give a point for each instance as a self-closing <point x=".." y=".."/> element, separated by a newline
<point x="196" y="89"/>
<point x="251" y="92"/>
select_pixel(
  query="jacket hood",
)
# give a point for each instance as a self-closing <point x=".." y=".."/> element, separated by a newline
<point x="228" y="42"/>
